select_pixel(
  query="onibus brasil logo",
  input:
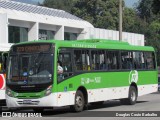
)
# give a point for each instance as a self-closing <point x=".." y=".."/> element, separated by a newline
<point x="133" y="76"/>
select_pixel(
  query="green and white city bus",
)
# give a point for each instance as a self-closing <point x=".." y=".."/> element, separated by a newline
<point x="93" y="71"/>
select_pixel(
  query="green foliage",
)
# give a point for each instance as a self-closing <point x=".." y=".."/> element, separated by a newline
<point x="133" y="23"/>
<point x="145" y="10"/>
<point x="101" y="13"/>
<point x="156" y="6"/>
<point x="65" y="5"/>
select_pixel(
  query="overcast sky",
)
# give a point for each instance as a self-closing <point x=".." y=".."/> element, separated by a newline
<point x="130" y="3"/>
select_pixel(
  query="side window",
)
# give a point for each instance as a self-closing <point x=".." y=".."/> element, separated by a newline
<point x="78" y="59"/>
<point x="126" y="60"/>
<point x="138" y="59"/>
<point x="150" y="60"/>
<point x="65" y="61"/>
<point x="98" y="60"/>
<point x="82" y="60"/>
<point x="113" y="60"/>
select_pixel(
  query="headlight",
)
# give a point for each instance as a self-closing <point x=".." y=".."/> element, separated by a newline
<point x="48" y="90"/>
<point x="9" y="92"/>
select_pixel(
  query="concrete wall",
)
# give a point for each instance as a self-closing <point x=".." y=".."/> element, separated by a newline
<point x="3" y="28"/>
<point x="132" y="38"/>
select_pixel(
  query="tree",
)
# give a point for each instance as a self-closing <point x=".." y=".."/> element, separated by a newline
<point x="144" y="10"/>
<point x="101" y="13"/>
<point x="156" y="6"/>
<point x="132" y="22"/>
<point x="65" y="5"/>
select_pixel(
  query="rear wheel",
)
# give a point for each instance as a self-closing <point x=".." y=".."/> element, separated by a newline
<point x="132" y="98"/>
<point x="132" y="95"/>
<point x="79" y="102"/>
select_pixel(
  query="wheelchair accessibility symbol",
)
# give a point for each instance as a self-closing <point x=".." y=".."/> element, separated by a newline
<point x="133" y="76"/>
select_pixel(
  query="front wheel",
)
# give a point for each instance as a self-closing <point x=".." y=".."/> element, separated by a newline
<point x="79" y="102"/>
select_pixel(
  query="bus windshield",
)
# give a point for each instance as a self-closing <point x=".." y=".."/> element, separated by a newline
<point x="32" y="68"/>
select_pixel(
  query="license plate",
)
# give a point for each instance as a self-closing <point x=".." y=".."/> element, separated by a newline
<point x="27" y="101"/>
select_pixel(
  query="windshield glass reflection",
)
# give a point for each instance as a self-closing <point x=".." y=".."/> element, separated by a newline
<point x="30" y="68"/>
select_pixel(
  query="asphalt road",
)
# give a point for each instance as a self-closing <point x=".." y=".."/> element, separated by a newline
<point x="113" y="108"/>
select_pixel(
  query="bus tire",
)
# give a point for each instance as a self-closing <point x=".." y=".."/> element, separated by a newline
<point x="79" y="102"/>
<point x="132" y="97"/>
<point x="99" y="103"/>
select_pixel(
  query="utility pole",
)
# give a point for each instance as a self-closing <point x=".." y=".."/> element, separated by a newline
<point x="120" y="20"/>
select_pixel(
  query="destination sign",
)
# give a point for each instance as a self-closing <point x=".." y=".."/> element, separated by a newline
<point x="18" y="78"/>
<point x="29" y="48"/>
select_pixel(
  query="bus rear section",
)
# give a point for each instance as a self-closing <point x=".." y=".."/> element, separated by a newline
<point x="3" y="66"/>
<point x="2" y="90"/>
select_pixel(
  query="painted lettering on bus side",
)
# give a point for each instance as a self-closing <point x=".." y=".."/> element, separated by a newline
<point x="84" y="46"/>
<point x="90" y="80"/>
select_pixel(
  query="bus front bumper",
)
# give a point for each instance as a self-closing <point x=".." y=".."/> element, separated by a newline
<point x="47" y="101"/>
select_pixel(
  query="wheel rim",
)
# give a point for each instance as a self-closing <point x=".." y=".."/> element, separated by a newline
<point x="79" y="101"/>
<point x="133" y="96"/>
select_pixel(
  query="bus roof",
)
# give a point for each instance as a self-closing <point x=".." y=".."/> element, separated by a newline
<point x="94" y="43"/>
